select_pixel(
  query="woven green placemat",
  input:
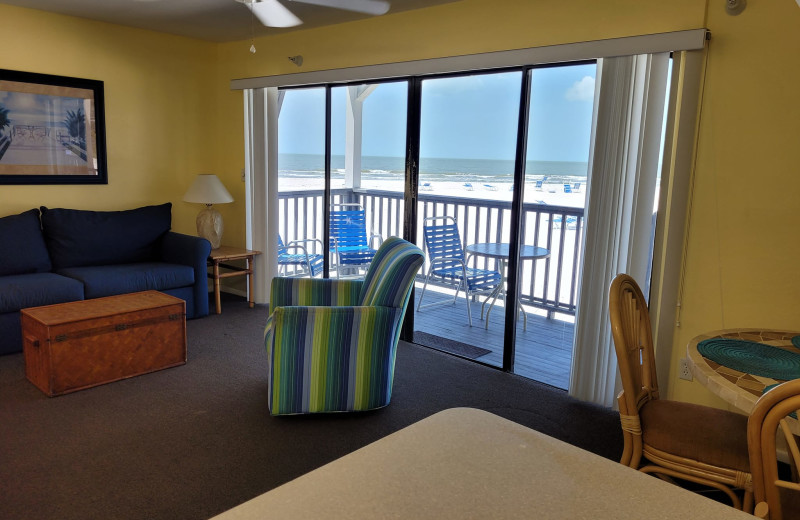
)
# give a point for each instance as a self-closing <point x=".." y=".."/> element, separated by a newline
<point x="752" y="358"/>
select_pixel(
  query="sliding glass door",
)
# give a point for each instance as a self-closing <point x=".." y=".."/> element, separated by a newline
<point x="559" y="127"/>
<point x="467" y="136"/>
<point x="488" y="172"/>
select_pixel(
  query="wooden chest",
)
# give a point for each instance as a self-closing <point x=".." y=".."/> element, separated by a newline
<point x="77" y="345"/>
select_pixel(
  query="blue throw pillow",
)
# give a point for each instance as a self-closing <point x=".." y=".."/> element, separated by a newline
<point x="77" y="238"/>
<point x="22" y="248"/>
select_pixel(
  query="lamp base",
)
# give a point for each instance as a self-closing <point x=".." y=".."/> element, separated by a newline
<point x="209" y="226"/>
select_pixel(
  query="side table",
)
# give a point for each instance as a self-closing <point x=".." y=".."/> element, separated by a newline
<point x="226" y="254"/>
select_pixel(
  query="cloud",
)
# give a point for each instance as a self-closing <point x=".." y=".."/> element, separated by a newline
<point x="582" y="90"/>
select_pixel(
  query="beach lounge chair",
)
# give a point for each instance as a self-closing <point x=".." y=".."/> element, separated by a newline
<point x="468" y="186"/>
<point x="576" y="188"/>
<point x="447" y="264"/>
<point x="426" y="186"/>
<point x="490" y="187"/>
<point x="567" y="188"/>
<point x="349" y="242"/>
<point x="572" y="222"/>
<point x="297" y="256"/>
<point x="538" y="185"/>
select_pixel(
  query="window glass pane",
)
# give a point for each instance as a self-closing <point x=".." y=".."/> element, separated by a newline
<point x="301" y="180"/>
<point x="467" y="147"/>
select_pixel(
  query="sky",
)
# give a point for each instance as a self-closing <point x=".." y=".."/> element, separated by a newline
<point x="465" y="117"/>
<point x="38" y="109"/>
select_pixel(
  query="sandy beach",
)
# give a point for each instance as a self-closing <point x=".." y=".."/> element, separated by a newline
<point x="550" y="193"/>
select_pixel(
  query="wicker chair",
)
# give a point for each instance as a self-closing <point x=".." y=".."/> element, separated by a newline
<point x="696" y="443"/>
<point x="776" y="498"/>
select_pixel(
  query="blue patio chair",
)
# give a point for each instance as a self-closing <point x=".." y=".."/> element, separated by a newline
<point x="567" y="188"/>
<point x="303" y="262"/>
<point x="468" y="186"/>
<point x="447" y="263"/>
<point x="349" y="241"/>
<point x="538" y="186"/>
<point x="576" y="188"/>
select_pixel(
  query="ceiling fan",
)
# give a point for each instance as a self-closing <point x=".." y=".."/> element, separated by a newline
<point x="273" y="13"/>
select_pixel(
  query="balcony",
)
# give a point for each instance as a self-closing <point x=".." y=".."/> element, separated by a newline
<point x="548" y="287"/>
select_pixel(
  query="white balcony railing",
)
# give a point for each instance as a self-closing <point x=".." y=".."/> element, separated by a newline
<point x="549" y="284"/>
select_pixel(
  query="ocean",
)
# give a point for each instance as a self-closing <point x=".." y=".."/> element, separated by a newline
<point x="431" y="169"/>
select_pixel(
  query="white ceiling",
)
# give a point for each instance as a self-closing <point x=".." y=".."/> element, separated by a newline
<point x="212" y="20"/>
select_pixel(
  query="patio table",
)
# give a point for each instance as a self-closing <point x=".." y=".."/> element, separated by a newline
<point x="499" y="251"/>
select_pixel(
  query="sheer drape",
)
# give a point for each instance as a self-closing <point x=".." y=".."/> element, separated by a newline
<point x="261" y="108"/>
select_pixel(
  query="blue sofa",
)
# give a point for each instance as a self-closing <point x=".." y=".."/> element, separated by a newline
<point x="52" y="256"/>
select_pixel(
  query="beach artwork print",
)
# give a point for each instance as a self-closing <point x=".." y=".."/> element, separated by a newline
<point x="49" y="131"/>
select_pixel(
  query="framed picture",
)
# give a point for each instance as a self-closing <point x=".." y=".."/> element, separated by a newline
<point x="52" y="130"/>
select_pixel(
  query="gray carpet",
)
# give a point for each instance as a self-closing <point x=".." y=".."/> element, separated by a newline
<point x="193" y="441"/>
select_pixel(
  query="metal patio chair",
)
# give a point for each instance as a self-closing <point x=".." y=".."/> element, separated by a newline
<point x="303" y="262"/>
<point x="447" y="263"/>
<point x="349" y="240"/>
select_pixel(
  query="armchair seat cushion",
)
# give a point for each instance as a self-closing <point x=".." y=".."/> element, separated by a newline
<point x="108" y="280"/>
<point x="710" y="435"/>
<point x="34" y="289"/>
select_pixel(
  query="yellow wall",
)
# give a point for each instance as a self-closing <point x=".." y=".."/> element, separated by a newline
<point x="159" y="109"/>
<point x="171" y="114"/>
<point x="744" y="234"/>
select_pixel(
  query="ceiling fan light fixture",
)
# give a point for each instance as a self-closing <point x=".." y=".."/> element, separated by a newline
<point x="273" y="14"/>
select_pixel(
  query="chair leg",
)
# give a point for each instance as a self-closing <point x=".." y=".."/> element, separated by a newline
<point x="424" y="286"/>
<point x="466" y="294"/>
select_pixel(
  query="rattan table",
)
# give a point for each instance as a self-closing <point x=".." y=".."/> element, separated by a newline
<point x="738" y="388"/>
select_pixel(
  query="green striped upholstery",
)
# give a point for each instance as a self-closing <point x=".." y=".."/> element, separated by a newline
<point x="328" y="353"/>
<point x="313" y="291"/>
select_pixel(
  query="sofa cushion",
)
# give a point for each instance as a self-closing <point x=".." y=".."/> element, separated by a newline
<point x="77" y="238"/>
<point x="34" y="289"/>
<point x="23" y="249"/>
<point x="108" y="280"/>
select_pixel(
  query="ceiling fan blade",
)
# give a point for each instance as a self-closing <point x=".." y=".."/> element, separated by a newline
<point x="273" y="14"/>
<point x="376" y="7"/>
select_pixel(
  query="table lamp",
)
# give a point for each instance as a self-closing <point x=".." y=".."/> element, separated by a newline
<point x="208" y="189"/>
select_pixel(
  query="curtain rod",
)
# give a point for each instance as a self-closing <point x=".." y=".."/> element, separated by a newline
<point x="692" y="39"/>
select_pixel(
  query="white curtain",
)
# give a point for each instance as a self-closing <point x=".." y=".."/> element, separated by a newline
<point x="626" y="142"/>
<point x="261" y="108"/>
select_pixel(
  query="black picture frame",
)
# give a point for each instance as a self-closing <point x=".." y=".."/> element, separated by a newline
<point x="52" y="129"/>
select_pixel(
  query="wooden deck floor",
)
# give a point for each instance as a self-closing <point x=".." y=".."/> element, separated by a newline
<point x="544" y="351"/>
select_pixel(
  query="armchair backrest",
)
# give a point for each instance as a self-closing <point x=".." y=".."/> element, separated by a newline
<point x="391" y="274"/>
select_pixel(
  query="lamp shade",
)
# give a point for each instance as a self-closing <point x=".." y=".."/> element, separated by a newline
<point x="207" y="189"/>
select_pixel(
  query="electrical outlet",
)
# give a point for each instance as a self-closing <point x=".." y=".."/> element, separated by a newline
<point x="684" y="372"/>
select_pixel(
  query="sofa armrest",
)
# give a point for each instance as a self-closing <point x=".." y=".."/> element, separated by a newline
<point x="177" y="248"/>
<point x="313" y="291"/>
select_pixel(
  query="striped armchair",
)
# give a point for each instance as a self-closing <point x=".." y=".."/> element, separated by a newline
<point x="331" y="344"/>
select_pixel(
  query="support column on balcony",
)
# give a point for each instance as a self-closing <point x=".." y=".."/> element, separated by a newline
<point x="353" y="133"/>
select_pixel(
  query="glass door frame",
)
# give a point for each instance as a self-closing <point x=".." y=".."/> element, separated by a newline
<point x="411" y="189"/>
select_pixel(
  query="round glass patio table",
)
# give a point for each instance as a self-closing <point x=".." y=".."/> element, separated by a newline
<point x="738" y="388"/>
<point x="499" y="251"/>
